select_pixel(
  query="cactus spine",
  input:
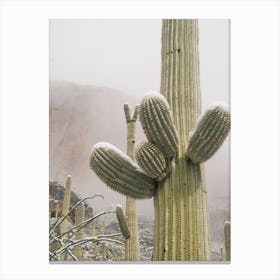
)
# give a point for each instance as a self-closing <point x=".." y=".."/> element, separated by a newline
<point x="79" y="217"/>
<point x="181" y="214"/>
<point x="65" y="208"/>
<point x="227" y="240"/>
<point x="132" y="250"/>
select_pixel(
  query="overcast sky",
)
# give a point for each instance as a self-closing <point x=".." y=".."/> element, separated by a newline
<point x="125" y="54"/>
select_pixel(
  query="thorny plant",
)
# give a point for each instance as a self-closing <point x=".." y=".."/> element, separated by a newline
<point x="66" y="242"/>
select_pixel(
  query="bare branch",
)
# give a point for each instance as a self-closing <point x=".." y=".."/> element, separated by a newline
<point x="72" y="255"/>
<point x="75" y="243"/>
<point x="61" y="219"/>
<point x="109" y="235"/>
<point x="73" y="230"/>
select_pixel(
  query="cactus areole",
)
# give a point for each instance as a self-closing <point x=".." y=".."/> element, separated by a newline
<point x="171" y="157"/>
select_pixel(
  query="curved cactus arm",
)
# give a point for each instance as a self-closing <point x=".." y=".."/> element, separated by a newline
<point x="211" y="131"/>
<point x="122" y="222"/>
<point x="151" y="160"/>
<point x="157" y="123"/>
<point x="120" y="173"/>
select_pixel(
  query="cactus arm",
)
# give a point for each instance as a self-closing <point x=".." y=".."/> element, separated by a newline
<point x="127" y="113"/>
<point x="135" y="115"/>
<point x="119" y="172"/>
<point x="122" y="222"/>
<point x="132" y="249"/>
<point x="211" y="131"/>
<point x="157" y="123"/>
<point x="151" y="160"/>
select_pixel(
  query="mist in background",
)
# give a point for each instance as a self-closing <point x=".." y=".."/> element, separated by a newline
<point x="98" y="65"/>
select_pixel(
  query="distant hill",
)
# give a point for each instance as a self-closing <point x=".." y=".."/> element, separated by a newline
<point x="56" y="194"/>
<point x="81" y="116"/>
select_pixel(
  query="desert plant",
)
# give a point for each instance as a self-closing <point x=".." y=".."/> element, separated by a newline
<point x="71" y="241"/>
<point x="132" y="250"/>
<point x="227" y="240"/>
<point x="180" y="199"/>
<point x="79" y="218"/>
<point x="65" y="208"/>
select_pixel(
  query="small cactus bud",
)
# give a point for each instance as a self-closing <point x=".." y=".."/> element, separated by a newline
<point x="212" y="129"/>
<point x="122" y="222"/>
<point x="151" y="160"/>
<point x="157" y="123"/>
<point x="120" y="173"/>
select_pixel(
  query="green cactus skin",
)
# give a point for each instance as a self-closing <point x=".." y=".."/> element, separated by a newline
<point x="79" y="217"/>
<point x="227" y="240"/>
<point x="120" y="173"/>
<point x="132" y="248"/>
<point x="151" y="160"/>
<point x="157" y="123"/>
<point x="211" y="131"/>
<point x="65" y="208"/>
<point x="181" y="213"/>
<point x="122" y="222"/>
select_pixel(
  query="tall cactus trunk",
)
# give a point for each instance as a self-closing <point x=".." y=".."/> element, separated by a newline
<point x="181" y="211"/>
<point x="65" y="208"/>
<point x="132" y="251"/>
<point x="227" y="240"/>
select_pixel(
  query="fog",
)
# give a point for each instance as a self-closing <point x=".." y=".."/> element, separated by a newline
<point x="125" y="55"/>
<point x="93" y="62"/>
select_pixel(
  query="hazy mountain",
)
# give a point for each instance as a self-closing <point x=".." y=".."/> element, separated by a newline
<point x="82" y="115"/>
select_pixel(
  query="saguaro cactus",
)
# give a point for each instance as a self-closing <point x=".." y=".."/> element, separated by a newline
<point x="182" y="222"/>
<point x="65" y="208"/>
<point x="180" y="197"/>
<point x="132" y="249"/>
<point x="227" y="239"/>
